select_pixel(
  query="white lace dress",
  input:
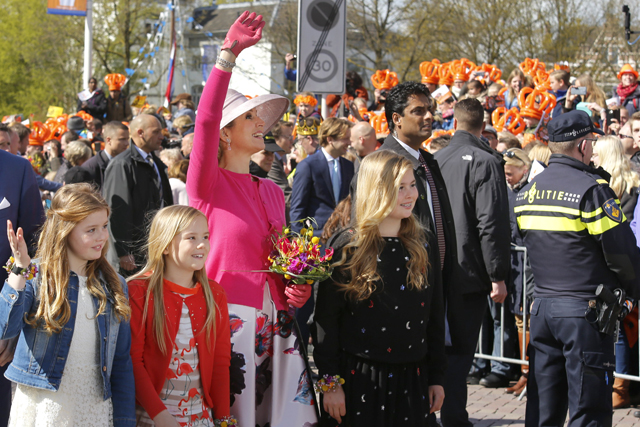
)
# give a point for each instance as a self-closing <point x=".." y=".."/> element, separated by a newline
<point x="79" y="400"/>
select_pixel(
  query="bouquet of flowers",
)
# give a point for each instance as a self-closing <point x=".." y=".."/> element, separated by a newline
<point x="298" y="256"/>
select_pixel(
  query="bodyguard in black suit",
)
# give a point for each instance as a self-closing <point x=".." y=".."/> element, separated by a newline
<point x="135" y="184"/>
<point x="116" y="140"/>
<point x="478" y="194"/>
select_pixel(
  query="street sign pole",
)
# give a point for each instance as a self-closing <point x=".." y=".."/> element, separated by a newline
<point x="321" y="46"/>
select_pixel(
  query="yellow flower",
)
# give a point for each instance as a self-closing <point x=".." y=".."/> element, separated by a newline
<point x="341" y="381"/>
<point x="303" y="231"/>
<point x="325" y="388"/>
<point x="223" y="424"/>
<point x="287" y="231"/>
<point x="310" y="233"/>
<point x="286" y="276"/>
<point x="315" y="240"/>
<point x="309" y="282"/>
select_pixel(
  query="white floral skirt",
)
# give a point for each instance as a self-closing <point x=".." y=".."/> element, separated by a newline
<point x="270" y="383"/>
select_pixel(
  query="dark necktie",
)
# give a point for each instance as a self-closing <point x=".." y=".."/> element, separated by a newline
<point x="437" y="212"/>
<point x="158" y="181"/>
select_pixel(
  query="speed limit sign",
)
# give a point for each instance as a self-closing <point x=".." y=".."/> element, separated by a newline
<point x="321" y="46"/>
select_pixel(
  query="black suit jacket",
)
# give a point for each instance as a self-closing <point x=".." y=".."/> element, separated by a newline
<point x="96" y="167"/>
<point x="312" y="192"/>
<point x="130" y="190"/>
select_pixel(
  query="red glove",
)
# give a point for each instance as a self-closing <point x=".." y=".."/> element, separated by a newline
<point x="245" y="32"/>
<point x="298" y="295"/>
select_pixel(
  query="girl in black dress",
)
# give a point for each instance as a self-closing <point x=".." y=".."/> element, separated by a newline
<point x="379" y="322"/>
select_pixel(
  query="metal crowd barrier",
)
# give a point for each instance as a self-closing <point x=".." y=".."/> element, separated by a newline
<point x="522" y="360"/>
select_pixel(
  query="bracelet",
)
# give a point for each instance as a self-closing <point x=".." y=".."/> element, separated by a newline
<point x="228" y="421"/>
<point x="29" y="272"/>
<point x="328" y="383"/>
<point x="224" y="63"/>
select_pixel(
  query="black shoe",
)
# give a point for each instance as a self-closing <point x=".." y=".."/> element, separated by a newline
<point x="494" y="381"/>
<point x="474" y="378"/>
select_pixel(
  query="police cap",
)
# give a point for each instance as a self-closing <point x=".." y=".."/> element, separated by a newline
<point x="570" y="126"/>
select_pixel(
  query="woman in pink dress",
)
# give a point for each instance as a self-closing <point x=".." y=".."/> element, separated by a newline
<point x="270" y="382"/>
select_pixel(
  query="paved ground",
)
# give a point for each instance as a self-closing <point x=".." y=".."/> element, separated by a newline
<point x="493" y="407"/>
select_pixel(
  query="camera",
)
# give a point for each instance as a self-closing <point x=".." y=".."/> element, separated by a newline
<point x="580" y="90"/>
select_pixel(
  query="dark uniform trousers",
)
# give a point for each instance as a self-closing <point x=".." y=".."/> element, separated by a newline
<point x="567" y="355"/>
<point x="578" y="238"/>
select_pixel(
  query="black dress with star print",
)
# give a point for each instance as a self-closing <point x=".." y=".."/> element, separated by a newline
<point x="380" y="346"/>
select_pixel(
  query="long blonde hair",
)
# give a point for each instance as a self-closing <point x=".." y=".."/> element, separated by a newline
<point x="72" y="204"/>
<point x="594" y="93"/>
<point x="166" y="225"/>
<point x="379" y="181"/>
<point x="612" y="159"/>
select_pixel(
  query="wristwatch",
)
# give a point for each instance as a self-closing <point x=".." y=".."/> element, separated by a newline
<point x="19" y="271"/>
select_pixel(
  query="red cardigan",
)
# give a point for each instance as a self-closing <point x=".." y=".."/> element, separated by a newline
<point x="150" y="364"/>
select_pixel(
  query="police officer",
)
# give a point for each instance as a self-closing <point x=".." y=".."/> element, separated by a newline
<point x="577" y="238"/>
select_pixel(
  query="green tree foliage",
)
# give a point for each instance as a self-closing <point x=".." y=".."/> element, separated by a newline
<point x="41" y="63"/>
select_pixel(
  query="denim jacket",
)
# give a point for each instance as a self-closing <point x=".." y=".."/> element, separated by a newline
<point x="40" y="357"/>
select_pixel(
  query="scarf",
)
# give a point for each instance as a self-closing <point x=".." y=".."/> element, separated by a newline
<point x="624" y="91"/>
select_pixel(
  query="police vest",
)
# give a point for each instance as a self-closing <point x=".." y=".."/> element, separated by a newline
<point x="569" y="218"/>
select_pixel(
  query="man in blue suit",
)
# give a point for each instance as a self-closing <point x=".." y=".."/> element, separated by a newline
<point x="19" y="202"/>
<point x="322" y="179"/>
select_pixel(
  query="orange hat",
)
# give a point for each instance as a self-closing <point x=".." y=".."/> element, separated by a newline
<point x="501" y="116"/>
<point x="529" y="66"/>
<point x="384" y="79"/>
<point x="57" y="130"/>
<point x="564" y="65"/>
<point x="40" y="133"/>
<point x="62" y="119"/>
<point x="627" y="68"/>
<point x="379" y="123"/>
<point x="310" y="100"/>
<point x="462" y="69"/>
<point x="429" y="71"/>
<point x="115" y="81"/>
<point x="445" y="74"/>
<point x="534" y="103"/>
<point x="493" y="71"/>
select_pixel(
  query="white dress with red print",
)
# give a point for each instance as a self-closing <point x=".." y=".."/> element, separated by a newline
<point x="182" y="391"/>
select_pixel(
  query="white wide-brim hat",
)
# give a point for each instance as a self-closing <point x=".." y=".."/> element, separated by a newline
<point x="270" y="108"/>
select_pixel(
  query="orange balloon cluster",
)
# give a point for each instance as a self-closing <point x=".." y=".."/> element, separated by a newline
<point x="535" y="103"/>
<point x="462" y="69"/>
<point x="364" y="113"/>
<point x="541" y="80"/>
<point x="445" y="74"/>
<point x="40" y="133"/>
<point x="492" y="71"/>
<point x="384" y="79"/>
<point x="529" y="66"/>
<point x="429" y="71"/>
<point x="562" y="66"/>
<point x="437" y="134"/>
<point x="115" y="81"/>
<point x="379" y="123"/>
<point x="509" y="120"/>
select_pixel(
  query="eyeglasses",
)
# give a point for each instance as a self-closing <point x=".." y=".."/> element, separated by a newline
<point x="509" y="154"/>
<point x="621" y="136"/>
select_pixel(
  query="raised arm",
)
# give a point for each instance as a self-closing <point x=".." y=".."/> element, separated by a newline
<point x="203" y="166"/>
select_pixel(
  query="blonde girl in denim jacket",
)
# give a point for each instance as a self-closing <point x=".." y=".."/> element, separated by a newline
<point x="70" y="310"/>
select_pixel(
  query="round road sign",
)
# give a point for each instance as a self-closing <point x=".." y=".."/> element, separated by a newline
<point x="324" y="67"/>
<point x="319" y="12"/>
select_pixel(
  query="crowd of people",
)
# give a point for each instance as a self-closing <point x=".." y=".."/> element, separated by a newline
<point x="138" y="290"/>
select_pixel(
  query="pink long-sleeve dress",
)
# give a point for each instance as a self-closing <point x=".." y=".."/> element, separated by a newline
<point x="270" y="382"/>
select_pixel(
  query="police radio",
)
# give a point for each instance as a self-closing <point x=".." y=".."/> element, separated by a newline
<point x="611" y="308"/>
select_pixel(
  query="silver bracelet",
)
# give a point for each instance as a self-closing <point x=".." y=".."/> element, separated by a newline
<point x="225" y="64"/>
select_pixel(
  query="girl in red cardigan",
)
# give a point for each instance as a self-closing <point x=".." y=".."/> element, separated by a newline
<point x="179" y="327"/>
